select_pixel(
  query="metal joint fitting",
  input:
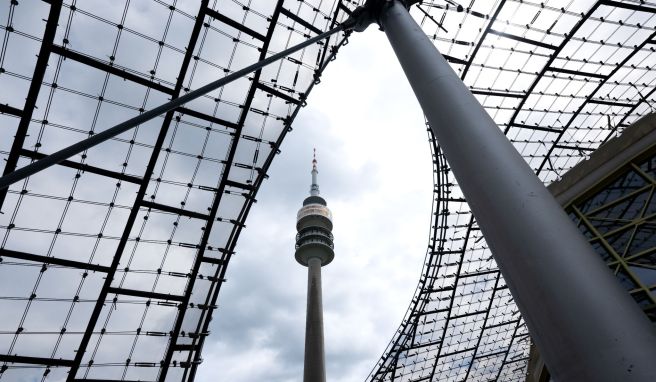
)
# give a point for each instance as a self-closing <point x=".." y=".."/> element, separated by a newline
<point x="370" y="13"/>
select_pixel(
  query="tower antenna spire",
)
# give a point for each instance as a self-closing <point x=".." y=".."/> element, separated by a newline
<point x="314" y="159"/>
<point x="314" y="189"/>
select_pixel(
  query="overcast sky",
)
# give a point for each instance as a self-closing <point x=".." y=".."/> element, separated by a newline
<point x="375" y="172"/>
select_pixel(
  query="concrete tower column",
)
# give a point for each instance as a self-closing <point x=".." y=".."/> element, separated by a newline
<point x="315" y="368"/>
<point x="314" y="248"/>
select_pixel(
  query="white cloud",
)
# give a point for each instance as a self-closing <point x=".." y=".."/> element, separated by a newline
<point x="375" y="173"/>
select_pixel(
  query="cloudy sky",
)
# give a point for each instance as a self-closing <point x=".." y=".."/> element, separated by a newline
<point x="375" y="172"/>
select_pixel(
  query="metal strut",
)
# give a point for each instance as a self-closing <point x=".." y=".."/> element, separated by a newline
<point x="67" y="152"/>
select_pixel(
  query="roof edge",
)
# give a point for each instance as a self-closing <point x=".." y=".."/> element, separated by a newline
<point x="636" y="139"/>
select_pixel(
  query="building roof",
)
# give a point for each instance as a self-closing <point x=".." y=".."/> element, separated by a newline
<point x="560" y="78"/>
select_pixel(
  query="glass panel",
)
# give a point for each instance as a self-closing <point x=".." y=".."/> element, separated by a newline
<point x="644" y="239"/>
<point x="648" y="259"/>
<point x="620" y="240"/>
<point x="651" y="206"/>
<point x="626" y="281"/>
<point x="649" y="166"/>
<point x="642" y="299"/>
<point x="606" y="225"/>
<point x="602" y="251"/>
<point x="627" y="183"/>
<point x="628" y="209"/>
<point x="646" y="275"/>
<point x="584" y="229"/>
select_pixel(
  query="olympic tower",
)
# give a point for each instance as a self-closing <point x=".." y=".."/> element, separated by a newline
<point x="314" y="249"/>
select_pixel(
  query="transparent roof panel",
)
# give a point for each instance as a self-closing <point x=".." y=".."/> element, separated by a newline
<point x="562" y="81"/>
<point x="112" y="261"/>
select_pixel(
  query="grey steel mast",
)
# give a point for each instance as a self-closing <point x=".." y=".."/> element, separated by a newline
<point x="314" y="249"/>
<point x="585" y="326"/>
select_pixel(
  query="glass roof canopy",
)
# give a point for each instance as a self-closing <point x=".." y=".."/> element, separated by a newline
<point x="112" y="261"/>
<point x="559" y="78"/>
<point x="80" y="296"/>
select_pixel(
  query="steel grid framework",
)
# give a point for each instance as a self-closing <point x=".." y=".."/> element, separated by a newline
<point x="112" y="261"/>
<point x="559" y="78"/>
<point x="559" y="86"/>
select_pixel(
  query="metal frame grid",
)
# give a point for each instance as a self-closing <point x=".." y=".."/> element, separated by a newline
<point x="559" y="78"/>
<point x="112" y="261"/>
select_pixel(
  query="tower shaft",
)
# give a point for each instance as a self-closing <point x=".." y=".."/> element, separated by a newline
<point x="315" y="366"/>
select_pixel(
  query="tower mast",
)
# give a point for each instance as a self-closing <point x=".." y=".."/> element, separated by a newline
<point x="314" y="249"/>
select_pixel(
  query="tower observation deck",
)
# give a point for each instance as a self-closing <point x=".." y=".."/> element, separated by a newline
<point x="314" y="249"/>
